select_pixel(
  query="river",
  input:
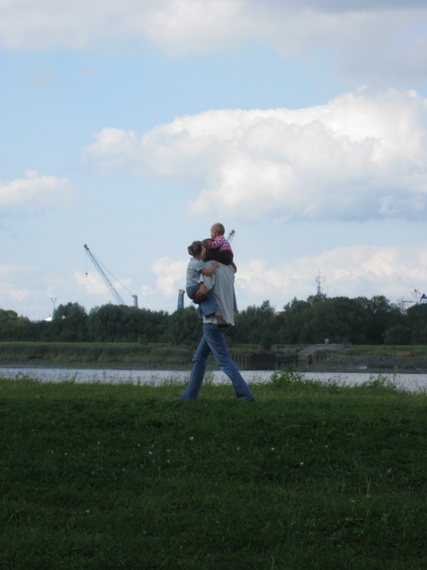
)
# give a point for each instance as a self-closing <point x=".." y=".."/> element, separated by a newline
<point x="409" y="382"/>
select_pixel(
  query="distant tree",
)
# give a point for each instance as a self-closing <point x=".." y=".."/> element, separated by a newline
<point x="69" y="323"/>
<point x="265" y="309"/>
<point x="114" y="323"/>
<point x="7" y="315"/>
<point x="258" y="326"/>
<point x="416" y="321"/>
<point x="149" y="326"/>
<point x="11" y="326"/>
<point x="381" y="315"/>
<point x="295" y="318"/>
<point x="398" y="334"/>
<point x="338" y="320"/>
<point x="318" y="298"/>
<point x="184" y="327"/>
<point x="105" y="323"/>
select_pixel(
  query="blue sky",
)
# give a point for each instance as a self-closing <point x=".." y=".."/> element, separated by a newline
<point x="134" y="126"/>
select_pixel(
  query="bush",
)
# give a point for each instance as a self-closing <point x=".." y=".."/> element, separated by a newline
<point x="379" y="382"/>
<point x="285" y="376"/>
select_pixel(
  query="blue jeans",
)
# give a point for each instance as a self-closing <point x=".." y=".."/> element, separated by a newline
<point x="207" y="307"/>
<point x="213" y="340"/>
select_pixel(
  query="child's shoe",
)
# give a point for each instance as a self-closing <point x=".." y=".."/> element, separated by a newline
<point x="220" y="321"/>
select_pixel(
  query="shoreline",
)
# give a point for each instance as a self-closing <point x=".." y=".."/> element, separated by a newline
<point x="314" y="358"/>
<point x="368" y="365"/>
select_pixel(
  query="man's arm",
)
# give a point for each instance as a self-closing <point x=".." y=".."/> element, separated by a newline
<point x="209" y="270"/>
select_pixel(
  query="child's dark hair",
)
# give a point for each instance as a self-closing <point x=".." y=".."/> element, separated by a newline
<point x="195" y="248"/>
<point x="219" y="228"/>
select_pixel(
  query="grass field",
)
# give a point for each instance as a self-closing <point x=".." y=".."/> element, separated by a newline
<point x="119" y="476"/>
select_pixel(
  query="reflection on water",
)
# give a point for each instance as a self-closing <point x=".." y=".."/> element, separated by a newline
<point x="411" y="382"/>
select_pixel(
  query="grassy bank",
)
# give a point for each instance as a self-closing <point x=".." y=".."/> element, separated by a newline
<point x="94" y="354"/>
<point x="307" y="477"/>
<point x="134" y="355"/>
<point x="376" y="359"/>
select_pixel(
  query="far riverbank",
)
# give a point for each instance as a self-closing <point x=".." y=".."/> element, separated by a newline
<point x="134" y="356"/>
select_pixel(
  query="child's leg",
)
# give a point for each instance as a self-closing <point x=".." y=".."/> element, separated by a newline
<point x="201" y="293"/>
<point x="191" y="291"/>
<point x="209" y="306"/>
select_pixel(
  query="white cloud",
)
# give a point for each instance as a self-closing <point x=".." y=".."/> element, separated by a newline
<point x="378" y="38"/>
<point x="174" y="25"/>
<point x="193" y="26"/>
<point x="361" y="156"/>
<point x="349" y="271"/>
<point x="10" y="292"/>
<point x="394" y="272"/>
<point x="34" y="190"/>
<point x="170" y="275"/>
<point x="92" y="283"/>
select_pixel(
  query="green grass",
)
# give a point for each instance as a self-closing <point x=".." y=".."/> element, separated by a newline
<point x="307" y="477"/>
<point x="95" y="353"/>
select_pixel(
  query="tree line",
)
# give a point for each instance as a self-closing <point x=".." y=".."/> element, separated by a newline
<point x="317" y="319"/>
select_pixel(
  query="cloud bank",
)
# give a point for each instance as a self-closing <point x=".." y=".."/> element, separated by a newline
<point x="393" y="272"/>
<point x="303" y="30"/>
<point x="360" y="157"/>
<point x="352" y="271"/>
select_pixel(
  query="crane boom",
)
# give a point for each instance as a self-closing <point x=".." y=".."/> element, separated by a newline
<point x="104" y="276"/>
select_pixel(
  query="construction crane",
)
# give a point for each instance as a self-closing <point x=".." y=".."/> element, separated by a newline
<point x="104" y="276"/>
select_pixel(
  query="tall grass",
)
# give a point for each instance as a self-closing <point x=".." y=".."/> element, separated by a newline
<point x="307" y="477"/>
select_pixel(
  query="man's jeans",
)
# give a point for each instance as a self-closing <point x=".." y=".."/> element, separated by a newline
<point x="213" y="340"/>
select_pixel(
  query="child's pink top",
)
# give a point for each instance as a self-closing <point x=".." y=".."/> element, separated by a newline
<point x="221" y="244"/>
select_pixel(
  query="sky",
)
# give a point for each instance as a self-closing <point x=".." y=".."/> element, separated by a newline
<point x="133" y="126"/>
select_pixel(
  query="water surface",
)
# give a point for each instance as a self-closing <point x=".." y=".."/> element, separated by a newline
<point x="410" y="382"/>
